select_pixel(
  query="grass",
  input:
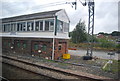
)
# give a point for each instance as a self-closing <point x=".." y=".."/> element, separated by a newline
<point x="114" y="67"/>
<point x="96" y="46"/>
<point x="52" y="61"/>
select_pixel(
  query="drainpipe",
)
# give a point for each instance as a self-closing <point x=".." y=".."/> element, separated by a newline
<point x="54" y="34"/>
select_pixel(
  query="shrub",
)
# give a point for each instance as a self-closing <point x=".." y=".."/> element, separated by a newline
<point x="118" y="46"/>
<point x="105" y="43"/>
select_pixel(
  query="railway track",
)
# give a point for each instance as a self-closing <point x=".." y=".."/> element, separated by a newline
<point x="53" y="73"/>
<point x="3" y="79"/>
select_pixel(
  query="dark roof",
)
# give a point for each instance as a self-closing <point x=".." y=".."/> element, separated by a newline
<point x="39" y="15"/>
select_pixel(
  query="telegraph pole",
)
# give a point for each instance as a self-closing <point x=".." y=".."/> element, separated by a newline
<point x="90" y="36"/>
<point x="90" y="29"/>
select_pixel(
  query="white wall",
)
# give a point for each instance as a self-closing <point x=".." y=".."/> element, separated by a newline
<point x="36" y="35"/>
<point x="61" y="15"/>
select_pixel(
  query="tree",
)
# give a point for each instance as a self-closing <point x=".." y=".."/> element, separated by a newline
<point x="103" y="33"/>
<point x="115" y="33"/>
<point x="70" y="34"/>
<point x="79" y="33"/>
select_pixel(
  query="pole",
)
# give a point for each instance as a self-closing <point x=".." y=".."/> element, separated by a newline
<point x="54" y="34"/>
<point x="53" y="48"/>
<point x="90" y="28"/>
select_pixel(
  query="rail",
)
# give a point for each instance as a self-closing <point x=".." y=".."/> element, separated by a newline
<point x="54" y="70"/>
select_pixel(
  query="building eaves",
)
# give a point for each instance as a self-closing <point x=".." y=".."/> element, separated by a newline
<point x="39" y="15"/>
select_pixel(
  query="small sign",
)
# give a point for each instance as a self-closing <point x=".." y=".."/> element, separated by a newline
<point x="66" y="56"/>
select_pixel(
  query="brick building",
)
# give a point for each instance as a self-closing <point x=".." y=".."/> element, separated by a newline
<point x="43" y="34"/>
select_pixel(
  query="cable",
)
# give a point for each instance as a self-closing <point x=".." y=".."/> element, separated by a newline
<point x="84" y="4"/>
<point x="80" y="1"/>
<point x="42" y="6"/>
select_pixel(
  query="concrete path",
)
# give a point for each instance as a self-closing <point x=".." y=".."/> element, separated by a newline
<point x="99" y="54"/>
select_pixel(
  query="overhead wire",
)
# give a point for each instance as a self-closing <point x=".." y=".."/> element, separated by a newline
<point x="48" y="5"/>
<point x="44" y="5"/>
<point x="34" y="8"/>
<point x="54" y="4"/>
<point x="80" y="1"/>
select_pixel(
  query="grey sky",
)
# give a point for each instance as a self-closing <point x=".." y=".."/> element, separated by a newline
<point x="106" y="12"/>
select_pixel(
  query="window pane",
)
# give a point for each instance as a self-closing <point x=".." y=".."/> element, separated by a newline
<point x="18" y="45"/>
<point x="9" y="27"/>
<point x="13" y="27"/>
<point x="18" y="26"/>
<point x="60" y="26"/>
<point x="4" y="28"/>
<point x="30" y="26"/>
<point x="41" y="25"/>
<point x="9" y="44"/>
<point x="44" y="48"/>
<point x="21" y="27"/>
<point x="24" y="26"/>
<point x="60" y="47"/>
<point x="37" y="26"/>
<point x="35" y="47"/>
<point x="51" y="25"/>
<point x="24" y="45"/>
<point x="0" y="27"/>
<point x="4" y="43"/>
<point x="66" y="27"/>
<point x="46" y="25"/>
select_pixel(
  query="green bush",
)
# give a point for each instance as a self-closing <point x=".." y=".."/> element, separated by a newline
<point x="118" y="46"/>
<point x="105" y="43"/>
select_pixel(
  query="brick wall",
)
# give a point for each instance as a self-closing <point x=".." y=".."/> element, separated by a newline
<point x="37" y="47"/>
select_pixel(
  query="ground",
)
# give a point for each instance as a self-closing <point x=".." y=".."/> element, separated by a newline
<point x="90" y="66"/>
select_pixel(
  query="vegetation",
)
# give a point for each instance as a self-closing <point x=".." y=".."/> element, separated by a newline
<point x="114" y="67"/>
<point x="79" y="33"/>
<point x="118" y="46"/>
<point x="79" y="38"/>
<point x="114" y="33"/>
<point x="105" y="43"/>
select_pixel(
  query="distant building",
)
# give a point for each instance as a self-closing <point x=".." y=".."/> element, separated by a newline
<point x="100" y="36"/>
<point x="43" y="34"/>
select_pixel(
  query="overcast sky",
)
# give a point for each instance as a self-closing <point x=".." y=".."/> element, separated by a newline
<point x="106" y="11"/>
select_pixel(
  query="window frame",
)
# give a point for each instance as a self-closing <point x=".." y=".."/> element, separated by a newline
<point x="21" y="22"/>
<point x="6" y="28"/>
<point x="52" y="21"/>
<point x="13" y="28"/>
<point x="58" y="26"/>
<point x="65" y="27"/>
<point x="49" y="24"/>
<point x="20" y="28"/>
<point x="32" y="26"/>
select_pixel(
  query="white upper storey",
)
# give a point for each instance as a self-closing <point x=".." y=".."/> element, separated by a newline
<point x="40" y="25"/>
